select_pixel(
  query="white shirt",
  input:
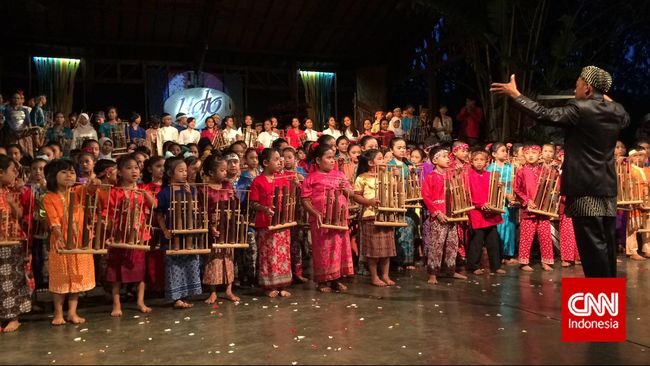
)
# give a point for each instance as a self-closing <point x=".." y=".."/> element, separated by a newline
<point x="266" y="139"/>
<point x="169" y="133"/>
<point x="188" y="136"/>
<point x="311" y="135"/>
<point x="248" y="135"/>
<point x="350" y="136"/>
<point x="334" y="133"/>
<point x="230" y="135"/>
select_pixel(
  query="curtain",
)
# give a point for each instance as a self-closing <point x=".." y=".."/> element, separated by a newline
<point x="56" y="80"/>
<point x="318" y="95"/>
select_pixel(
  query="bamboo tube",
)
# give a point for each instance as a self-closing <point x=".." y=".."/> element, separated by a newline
<point x="70" y="231"/>
<point x="177" y="213"/>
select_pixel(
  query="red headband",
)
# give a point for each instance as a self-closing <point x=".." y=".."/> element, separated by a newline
<point x="533" y="147"/>
<point x="460" y="147"/>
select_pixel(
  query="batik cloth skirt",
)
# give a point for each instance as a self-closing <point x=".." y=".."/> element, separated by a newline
<point x="14" y="292"/>
<point x="182" y="276"/>
<point x="331" y="253"/>
<point x="377" y="241"/>
<point x="274" y="258"/>
<point x="219" y="268"/>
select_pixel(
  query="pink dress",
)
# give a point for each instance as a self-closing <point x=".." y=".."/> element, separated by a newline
<point x="332" y="253"/>
<point x="219" y="266"/>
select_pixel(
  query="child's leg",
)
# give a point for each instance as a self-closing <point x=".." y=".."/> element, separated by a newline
<point x="437" y="235"/>
<point x="229" y="295"/>
<point x="115" y="292"/>
<point x="141" y="306"/>
<point x="73" y="301"/>
<point x="12" y="326"/>
<point x="526" y="236"/>
<point x="451" y="251"/>
<point x="568" y="245"/>
<point x="213" y="295"/>
<point x="372" y="267"/>
<point x="58" y="300"/>
<point x="545" y="243"/>
<point x="493" y="244"/>
<point x="385" y="267"/>
<point x="475" y="249"/>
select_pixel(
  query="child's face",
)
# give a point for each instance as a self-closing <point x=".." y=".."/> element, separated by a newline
<point x="112" y="114"/>
<point x="367" y="125"/>
<point x="107" y="148"/>
<point x="396" y="123"/>
<point x="479" y="161"/>
<point x="331" y="122"/>
<point x="620" y="149"/>
<point x="37" y="172"/>
<point x="66" y="178"/>
<point x="59" y="119"/>
<point x="220" y="172"/>
<point x="347" y="122"/>
<point x="501" y="154"/>
<point x="209" y="123"/>
<point x="175" y="150"/>
<point x="268" y="126"/>
<point x="462" y="154"/>
<point x="248" y="121"/>
<point x="258" y="129"/>
<point x="399" y="149"/>
<point x="14" y="153"/>
<point x="384" y="125"/>
<point x="95" y="149"/>
<point x="194" y="150"/>
<point x="86" y="164"/>
<point x="167" y="121"/>
<point x="326" y="162"/>
<point x="548" y="153"/>
<point x="194" y="169"/>
<point x="289" y="160"/>
<point x="56" y="151"/>
<point x="252" y="160"/>
<point x="179" y="175"/>
<point x="130" y="173"/>
<point x="531" y="155"/>
<point x="233" y="167"/>
<point x="416" y="157"/>
<point x="309" y="124"/>
<point x="378" y="161"/>
<point x="47" y="151"/>
<point x="295" y="123"/>
<point x="343" y="146"/>
<point x="8" y="177"/>
<point x="300" y="155"/>
<point x="355" y="151"/>
<point x="237" y="149"/>
<point x="157" y="170"/>
<point x="442" y="160"/>
<point x="370" y="145"/>
<point x="388" y="156"/>
<point x="274" y="164"/>
<point x="191" y="125"/>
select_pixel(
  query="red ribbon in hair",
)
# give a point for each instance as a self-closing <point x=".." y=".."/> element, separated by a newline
<point x="315" y="145"/>
<point x="460" y="147"/>
<point x="533" y="147"/>
<point x="87" y="149"/>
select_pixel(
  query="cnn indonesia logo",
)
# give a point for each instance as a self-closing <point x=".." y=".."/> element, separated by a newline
<point x="593" y="309"/>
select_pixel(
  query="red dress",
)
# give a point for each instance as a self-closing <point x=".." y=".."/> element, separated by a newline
<point x="479" y="185"/>
<point x="294" y="138"/>
<point x="155" y="257"/>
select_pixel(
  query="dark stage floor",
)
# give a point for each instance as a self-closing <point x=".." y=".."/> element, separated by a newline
<point x="511" y="319"/>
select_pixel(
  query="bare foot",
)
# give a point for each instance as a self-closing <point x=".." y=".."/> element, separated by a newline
<point x="459" y="276"/>
<point x="377" y="282"/>
<point x="230" y="296"/>
<point x="578" y="263"/>
<point x="500" y="271"/>
<point x="58" y="321"/>
<point x="526" y="268"/>
<point x="324" y="288"/>
<point x="566" y="264"/>
<point x="12" y="326"/>
<point x="211" y="299"/>
<point x="180" y="304"/>
<point x="479" y="271"/>
<point x="340" y="287"/>
<point x="284" y="293"/>
<point x="117" y="312"/>
<point x="512" y="262"/>
<point x="144" y="308"/>
<point x="76" y="319"/>
<point x="636" y="257"/>
<point x="388" y="281"/>
<point x="301" y="279"/>
<point x="272" y="294"/>
<point x="546" y="267"/>
<point x="432" y="280"/>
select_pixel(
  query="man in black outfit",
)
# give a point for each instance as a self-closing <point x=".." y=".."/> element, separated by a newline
<point x="592" y="122"/>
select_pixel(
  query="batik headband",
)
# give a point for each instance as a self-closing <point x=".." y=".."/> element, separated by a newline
<point x="460" y="147"/>
<point x="439" y="153"/>
<point x="533" y="148"/>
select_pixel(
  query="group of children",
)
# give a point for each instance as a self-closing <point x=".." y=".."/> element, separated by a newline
<point x="38" y="202"/>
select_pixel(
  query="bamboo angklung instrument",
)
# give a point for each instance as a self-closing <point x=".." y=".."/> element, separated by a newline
<point x="232" y="221"/>
<point x="458" y="199"/>
<point x="497" y="193"/>
<point x="547" y="198"/>
<point x="413" y="190"/>
<point x="9" y="231"/>
<point x="118" y="136"/>
<point x="390" y="191"/>
<point x="219" y="140"/>
<point x="336" y="209"/>
<point x="92" y="238"/>
<point x="133" y="229"/>
<point x="284" y="202"/>
<point x="190" y="225"/>
<point x="629" y="188"/>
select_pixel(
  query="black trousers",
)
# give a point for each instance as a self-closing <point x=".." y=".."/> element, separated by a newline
<point x="490" y="237"/>
<point x="596" y="238"/>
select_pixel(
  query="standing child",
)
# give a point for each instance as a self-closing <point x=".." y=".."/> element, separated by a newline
<point x="126" y="265"/>
<point x="246" y="259"/>
<point x="154" y="169"/>
<point x="274" y="247"/>
<point x="299" y="240"/>
<point x="14" y="292"/>
<point x="86" y="164"/>
<point x="219" y="269"/>
<point x="483" y="221"/>
<point x="331" y="248"/>
<point x="182" y="272"/>
<point x="526" y="189"/>
<point x="440" y="235"/>
<point x="507" y="229"/>
<point x="70" y="274"/>
<point x="377" y="242"/>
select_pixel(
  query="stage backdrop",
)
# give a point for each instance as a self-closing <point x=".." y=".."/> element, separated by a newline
<point x="199" y="103"/>
<point x="371" y="93"/>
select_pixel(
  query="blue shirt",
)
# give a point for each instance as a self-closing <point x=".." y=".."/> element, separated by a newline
<point x="132" y="134"/>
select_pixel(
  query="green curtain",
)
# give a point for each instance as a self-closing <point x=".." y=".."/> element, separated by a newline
<point x="318" y="95"/>
<point x="56" y="81"/>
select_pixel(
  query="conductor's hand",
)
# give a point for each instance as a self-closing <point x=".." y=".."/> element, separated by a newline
<point x="509" y="89"/>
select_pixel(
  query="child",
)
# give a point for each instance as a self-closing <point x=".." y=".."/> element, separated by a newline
<point x="274" y="272"/>
<point x="165" y="133"/>
<point x="193" y="169"/>
<point x="105" y="171"/>
<point x="91" y="146"/>
<point x="548" y="154"/>
<point x="14" y="292"/>
<point x="298" y="235"/>
<point x="219" y="268"/>
<point x="526" y="189"/>
<point x="483" y="221"/>
<point x="404" y="236"/>
<point x="384" y="135"/>
<point x="342" y="155"/>
<point x="189" y="135"/>
<point x="637" y="156"/>
<point x="86" y="164"/>
<point x="234" y="168"/>
<point x="247" y="258"/>
<point x="34" y="216"/>
<point x="152" y="175"/>
<point x="440" y="236"/>
<point x="182" y="272"/>
<point x="507" y="229"/>
<point x="295" y="136"/>
<point x="378" y="242"/>
<point x="367" y="127"/>
<point x="70" y="274"/>
<point x="126" y="265"/>
<point x="106" y="148"/>
<point x="460" y="161"/>
<point x="332" y="255"/>
<point x="291" y="163"/>
<point x="310" y="133"/>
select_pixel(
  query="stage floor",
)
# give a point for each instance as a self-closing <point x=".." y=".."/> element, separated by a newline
<point x="510" y="319"/>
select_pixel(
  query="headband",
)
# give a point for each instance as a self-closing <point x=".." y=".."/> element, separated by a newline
<point x="460" y="147"/>
<point x="533" y="147"/>
<point x="634" y="152"/>
<point x="439" y="153"/>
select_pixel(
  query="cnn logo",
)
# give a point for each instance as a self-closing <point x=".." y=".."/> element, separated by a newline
<point x="585" y="304"/>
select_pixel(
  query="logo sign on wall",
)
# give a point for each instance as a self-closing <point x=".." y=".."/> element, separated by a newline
<point x="199" y="103"/>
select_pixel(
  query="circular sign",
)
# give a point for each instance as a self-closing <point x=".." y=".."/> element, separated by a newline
<point x="199" y="103"/>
